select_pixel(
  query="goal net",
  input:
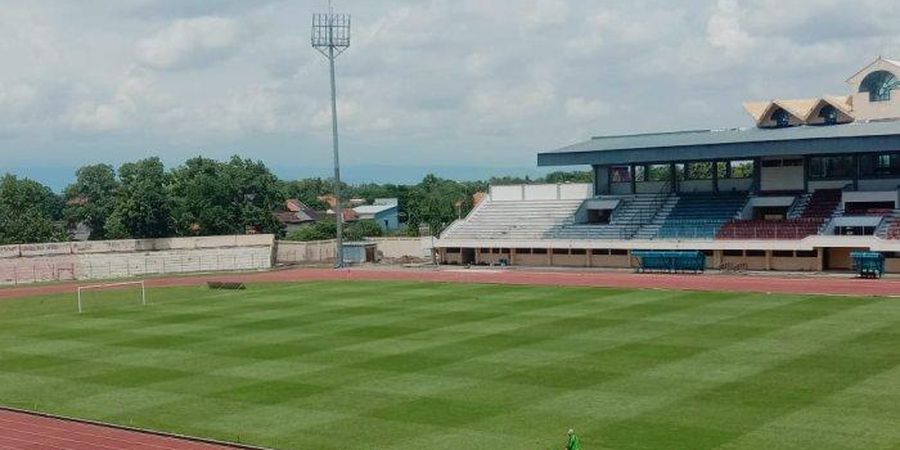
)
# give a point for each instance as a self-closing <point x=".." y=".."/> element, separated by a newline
<point x="105" y="296"/>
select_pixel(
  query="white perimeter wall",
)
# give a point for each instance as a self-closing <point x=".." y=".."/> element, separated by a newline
<point x="133" y="258"/>
<point x="292" y="252"/>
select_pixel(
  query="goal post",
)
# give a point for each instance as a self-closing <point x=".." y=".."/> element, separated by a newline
<point x="112" y="286"/>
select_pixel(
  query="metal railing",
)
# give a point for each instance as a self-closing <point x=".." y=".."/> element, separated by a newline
<point x="646" y="214"/>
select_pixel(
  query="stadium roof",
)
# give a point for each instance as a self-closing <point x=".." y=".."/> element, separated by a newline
<point x="732" y="143"/>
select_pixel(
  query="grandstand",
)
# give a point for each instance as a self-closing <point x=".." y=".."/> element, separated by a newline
<point x="813" y="181"/>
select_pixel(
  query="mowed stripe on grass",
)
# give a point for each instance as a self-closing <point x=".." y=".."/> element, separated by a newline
<point x="399" y="365"/>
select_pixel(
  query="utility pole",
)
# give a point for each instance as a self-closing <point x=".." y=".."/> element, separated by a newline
<point x="331" y="36"/>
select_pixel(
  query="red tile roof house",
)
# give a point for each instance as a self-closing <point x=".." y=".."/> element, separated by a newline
<point x="296" y="215"/>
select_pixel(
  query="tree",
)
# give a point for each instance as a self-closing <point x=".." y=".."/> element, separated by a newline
<point x="91" y="199"/>
<point x="28" y="211"/>
<point x="308" y="191"/>
<point x="259" y="195"/>
<point x="327" y="229"/>
<point x="319" y="231"/>
<point x="437" y="202"/>
<point x="211" y="198"/>
<point x="142" y="204"/>
<point x="575" y="176"/>
<point x="362" y="229"/>
<point x="204" y="199"/>
<point x="508" y="179"/>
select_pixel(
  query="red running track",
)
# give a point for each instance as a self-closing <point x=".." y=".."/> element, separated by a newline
<point x="21" y="431"/>
<point x="769" y="283"/>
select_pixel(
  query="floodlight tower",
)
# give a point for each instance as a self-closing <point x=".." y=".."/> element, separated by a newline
<point x="331" y="36"/>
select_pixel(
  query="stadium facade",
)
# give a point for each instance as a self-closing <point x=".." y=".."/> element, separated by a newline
<point x="813" y="181"/>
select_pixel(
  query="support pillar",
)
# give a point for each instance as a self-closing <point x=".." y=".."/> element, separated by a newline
<point x="757" y="174"/>
<point x="633" y="170"/>
<point x="805" y="173"/>
<point x="673" y="177"/>
<point x="715" y="175"/>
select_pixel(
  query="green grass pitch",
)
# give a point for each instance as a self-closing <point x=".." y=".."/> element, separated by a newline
<point x="447" y="366"/>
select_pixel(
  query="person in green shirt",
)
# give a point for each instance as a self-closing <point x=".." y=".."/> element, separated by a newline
<point x="573" y="443"/>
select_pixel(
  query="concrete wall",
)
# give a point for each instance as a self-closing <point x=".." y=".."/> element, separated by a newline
<point x="575" y="191"/>
<point x="569" y="191"/>
<point x="531" y="260"/>
<point x="794" y="264"/>
<point x="649" y="187"/>
<point x="887" y="184"/>
<point x="688" y="186"/>
<point x="781" y="178"/>
<point x="892" y="265"/>
<point x="541" y="192"/>
<point x="312" y="252"/>
<point x="400" y="247"/>
<point x="735" y="184"/>
<point x="828" y="184"/>
<point x="746" y="262"/>
<point x="857" y="197"/>
<point x="570" y="260"/>
<point x="612" y="261"/>
<point x="133" y="258"/>
<point x="505" y="193"/>
<point x="291" y="252"/>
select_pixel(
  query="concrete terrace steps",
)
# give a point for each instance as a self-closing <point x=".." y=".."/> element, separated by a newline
<point x="626" y="219"/>
<point x="521" y="219"/>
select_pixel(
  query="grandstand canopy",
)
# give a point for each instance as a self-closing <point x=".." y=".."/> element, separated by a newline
<point x="735" y="143"/>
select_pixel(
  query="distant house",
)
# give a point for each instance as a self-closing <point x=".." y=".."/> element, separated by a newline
<point x="296" y="214"/>
<point x="383" y="211"/>
<point x="348" y="213"/>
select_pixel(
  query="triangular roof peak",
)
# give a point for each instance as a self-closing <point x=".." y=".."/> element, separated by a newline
<point x="841" y="102"/>
<point x="879" y="63"/>
<point x="799" y="107"/>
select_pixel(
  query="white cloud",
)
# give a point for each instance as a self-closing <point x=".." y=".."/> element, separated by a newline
<point x="450" y="78"/>
<point x="545" y="13"/>
<point x="506" y="103"/>
<point x="585" y="110"/>
<point x="190" y="43"/>
<point x="135" y="100"/>
<point x="724" y="28"/>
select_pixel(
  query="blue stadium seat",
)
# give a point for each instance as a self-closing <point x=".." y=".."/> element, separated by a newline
<point x="700" y="216"/>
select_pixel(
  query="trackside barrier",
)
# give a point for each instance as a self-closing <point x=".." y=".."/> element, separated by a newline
<point x="670" y="262"/>
<point x="868" y="264"/>
<point x="96" y="260"/>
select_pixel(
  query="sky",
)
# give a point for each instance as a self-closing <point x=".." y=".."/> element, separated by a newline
<point x="460" y="87"/>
